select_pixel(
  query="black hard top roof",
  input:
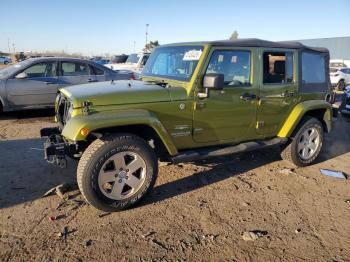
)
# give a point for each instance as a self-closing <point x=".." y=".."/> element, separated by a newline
<point x="255" y="42"/>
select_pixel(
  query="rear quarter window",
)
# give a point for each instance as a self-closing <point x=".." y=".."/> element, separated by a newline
<point x="313" y="68"/>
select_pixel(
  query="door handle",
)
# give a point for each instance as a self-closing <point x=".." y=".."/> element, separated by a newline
<point x="287" y="94"/>
<point x="247" y="96"/>
<point x="91" y="80"/>
<point x="50" y="83"/>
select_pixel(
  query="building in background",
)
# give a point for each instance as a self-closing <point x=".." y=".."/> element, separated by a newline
<point x="339" y="47"/>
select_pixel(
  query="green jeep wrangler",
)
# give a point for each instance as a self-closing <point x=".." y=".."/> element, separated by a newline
<point x="194" y="101"/>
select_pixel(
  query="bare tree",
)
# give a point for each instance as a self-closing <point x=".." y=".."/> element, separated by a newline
<point x="151" y="45"/>
<point x="234" y="35"/>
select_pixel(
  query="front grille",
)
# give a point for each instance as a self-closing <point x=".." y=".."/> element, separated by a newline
<point x="62" y="110"/>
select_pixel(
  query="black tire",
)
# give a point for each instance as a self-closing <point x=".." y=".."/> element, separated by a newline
<point x="290" y="151"/>
<point x="341" y="85"/>
<point x="5" y="62"/>
<point x="95" y="158"/>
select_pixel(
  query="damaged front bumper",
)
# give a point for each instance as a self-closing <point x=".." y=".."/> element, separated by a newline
<point x="55" y="147"/>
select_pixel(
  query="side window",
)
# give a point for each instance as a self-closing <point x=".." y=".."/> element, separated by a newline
<point x="74" y="69"/>
<point x="278" y="67"/>
<point x="44" y="69"/>
<point x="97" y="71"/>
<point x="313" y="68"/>
<point x="234" y="65"/>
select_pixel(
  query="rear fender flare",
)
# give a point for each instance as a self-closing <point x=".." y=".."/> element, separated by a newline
<point x="302" y="109"/>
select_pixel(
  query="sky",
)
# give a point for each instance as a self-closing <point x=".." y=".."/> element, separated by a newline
<point x="112" y="27"/>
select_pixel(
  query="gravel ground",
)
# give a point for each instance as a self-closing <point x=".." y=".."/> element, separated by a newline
<point x="252" y="207"/>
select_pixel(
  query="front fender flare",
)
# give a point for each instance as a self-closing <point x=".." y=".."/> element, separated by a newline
<point x="115" y="118"/>
<point x="302" y="109"/>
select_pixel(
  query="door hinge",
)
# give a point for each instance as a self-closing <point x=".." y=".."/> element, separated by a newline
<point x="199" y="105"/>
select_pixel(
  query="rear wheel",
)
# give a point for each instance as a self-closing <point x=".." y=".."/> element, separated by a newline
<point x="341" y="85"/>
<point x="306" y="144"/>
<point x="116" y="171"/>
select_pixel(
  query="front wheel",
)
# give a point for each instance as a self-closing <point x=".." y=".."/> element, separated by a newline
<point x="116" y="171"/>
<point x="306" y="144"/>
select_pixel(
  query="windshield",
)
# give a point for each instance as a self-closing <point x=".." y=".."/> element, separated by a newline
<point x="175" y="62"/>
<point x="133" y="58"/>
<point x="8" y="71"/>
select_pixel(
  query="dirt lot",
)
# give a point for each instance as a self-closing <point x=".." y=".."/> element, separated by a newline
<point x="197" y="211"/>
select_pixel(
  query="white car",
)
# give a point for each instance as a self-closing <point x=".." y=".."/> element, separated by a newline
<point x="340" y="77"/>
<point x="134" y="63"/>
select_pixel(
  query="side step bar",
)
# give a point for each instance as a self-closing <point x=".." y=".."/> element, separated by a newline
<point x="204" y="153"/>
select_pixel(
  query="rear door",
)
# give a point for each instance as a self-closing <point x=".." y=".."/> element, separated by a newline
<point x="278" y="89"/>
<point x="74" y="73"/>
<point x="38" y="89"/>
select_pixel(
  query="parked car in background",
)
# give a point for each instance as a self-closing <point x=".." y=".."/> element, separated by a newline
<point x="134" y="63"/>
<point x="5" y="60"/>
<point x="340" y="77"/>
<point x="119" y="59"/>
<point x="34" y="83"/>
<point x="346" y="108"/>
<point x="339" y="63"/>
<point x="102" y="61"/>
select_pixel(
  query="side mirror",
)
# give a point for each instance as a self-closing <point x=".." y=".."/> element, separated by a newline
<point x="22" y="75"/>
<point x="213" y="81"/>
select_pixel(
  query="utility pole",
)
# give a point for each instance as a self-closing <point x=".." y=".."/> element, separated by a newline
<point x="147" y="25"/>
<point x="13" y="46"/>
<point x="8" y="45"/>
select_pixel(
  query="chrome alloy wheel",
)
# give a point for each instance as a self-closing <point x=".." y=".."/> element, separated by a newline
<point x="122" y="175"/>
<point x="309" y="143"/>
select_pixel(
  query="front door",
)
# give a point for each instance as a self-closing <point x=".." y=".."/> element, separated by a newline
<point x="228" y="114"/>
<point x="74" y="73"/>
<point x="37" y="89"/>
<point x="278" y="92"/>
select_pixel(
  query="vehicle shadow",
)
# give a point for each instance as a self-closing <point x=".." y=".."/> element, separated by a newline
<point x="27" y="114"/>
<point x="220" y="169"/>
<point x="337" y="142"/>
<point x="25" y="175"/>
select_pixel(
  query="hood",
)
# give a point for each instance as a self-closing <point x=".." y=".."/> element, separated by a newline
<point x="116" y="92"/>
